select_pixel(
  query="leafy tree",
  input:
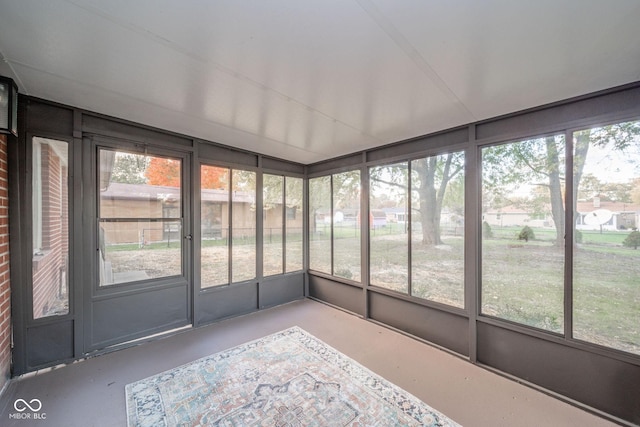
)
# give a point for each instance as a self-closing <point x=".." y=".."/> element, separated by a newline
<point x="214" y="178"/>
<point x="129" y="168"/>
<point x="537" y="161"/>
<point x="454" y="195"/>
<point x="293" y="192"/>
<point x="635" y="191"/>
<point x="541" y="161"/>
<point x="277" y="187"/>
<point x="591" y="186"/>
<point x="319" y="198"/>
<point x="388" y="186"/>
<point x="243" y="181"/>
<point x="163" y="171"/>
<point x="619" y="137"/>
<point x="433" y="175"/>
<point x="346" y="190"/>
<point x="272" y="190"/>
<point x="430" y="181"/>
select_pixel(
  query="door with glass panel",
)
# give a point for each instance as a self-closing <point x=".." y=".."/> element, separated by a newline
<point x="142" y="244"/>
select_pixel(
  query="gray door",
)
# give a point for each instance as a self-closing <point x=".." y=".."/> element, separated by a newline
<point x="141" y="244"/>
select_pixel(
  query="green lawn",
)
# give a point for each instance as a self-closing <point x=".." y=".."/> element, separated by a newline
<point x="524" y="282"/>
<point x="521" y="281"/>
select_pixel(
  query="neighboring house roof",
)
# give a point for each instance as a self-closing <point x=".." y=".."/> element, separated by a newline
<point x="122" y="191"/>
<point x="395" y="210"/>
<point x="583" y="206"/>
<point x="586" y="206"/>
<point x="510" y="210"/>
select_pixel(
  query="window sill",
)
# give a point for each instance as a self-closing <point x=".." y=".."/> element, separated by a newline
<point x="39" y="258"/>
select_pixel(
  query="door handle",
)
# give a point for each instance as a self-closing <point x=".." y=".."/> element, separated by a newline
<point x="188" y="237"/>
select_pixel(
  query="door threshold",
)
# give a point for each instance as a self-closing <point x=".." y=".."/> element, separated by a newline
<point x="150" y="337"/>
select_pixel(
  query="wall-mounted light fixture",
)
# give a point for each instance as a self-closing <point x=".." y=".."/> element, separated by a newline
<point x="8" y="106"/>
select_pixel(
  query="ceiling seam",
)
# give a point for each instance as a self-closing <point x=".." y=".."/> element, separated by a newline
<point x="401" y="41"/>
<point x="176" y="47"/>
<point x="13" y="71"/>
<point x="124" y="95"/>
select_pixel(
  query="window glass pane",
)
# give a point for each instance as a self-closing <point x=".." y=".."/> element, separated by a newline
<point x="214" y="231"/>
<point x="523" y="232"/>
<point x="437" y="228"/>
<point x="320" y="224"/>
<point x="346" y="225"/>
<point x="50" y="217"/>
<point x="138" y="250"/>
<point x="606" y="263"/>
<point x="138" y="186"/>
<point x="140" y="223"/>
<point x="388" y="227"/>
<point x="272" y="215"/>
<point x="293" y="223"/>
<point x="243" y="226"/>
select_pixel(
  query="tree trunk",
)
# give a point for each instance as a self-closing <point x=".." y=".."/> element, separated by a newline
<point x="580" y="149"/>
<point x="429" y="218"/>
<point x="555" y="189"/>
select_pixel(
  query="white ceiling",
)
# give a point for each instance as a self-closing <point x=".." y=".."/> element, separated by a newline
<point x="307" y="80"/>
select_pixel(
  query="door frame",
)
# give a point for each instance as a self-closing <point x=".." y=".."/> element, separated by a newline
<point x="120" y="313"/>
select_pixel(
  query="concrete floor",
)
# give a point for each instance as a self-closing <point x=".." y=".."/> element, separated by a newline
<point x="91" y="392"/>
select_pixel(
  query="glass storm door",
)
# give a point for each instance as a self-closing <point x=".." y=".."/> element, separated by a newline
<point x="142" y="245"/>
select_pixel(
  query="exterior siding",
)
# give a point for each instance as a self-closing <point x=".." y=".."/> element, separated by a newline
<point x="5" y="290"/>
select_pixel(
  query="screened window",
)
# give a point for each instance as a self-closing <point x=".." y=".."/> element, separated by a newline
<point x="282" y="227"/>
<point x="215" y="200"/>
<point x="523" y="185"/>
<point x="437" y="228"/>
<point x="140" y="217"/>
<point x="334" y="225"/>
<point x="293" y="224"/>
<point x="273" y="224"/>
<point x="228" y="226"/>
<point x="606" y="259"/>
<point x="243" y="225"/>
<point x="388" y="227"/>
<point x="50" y="219"/>
<point x="416" y="228"/>
<point x="346" y="225"/>
<point x="320" y="224"/>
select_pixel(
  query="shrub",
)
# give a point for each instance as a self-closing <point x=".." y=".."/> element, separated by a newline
<point x="344" y="272"/>
<point x="526" y="234"/>
<point x="578" y="236"/>
<point x="632" y="240"/>
<point x="487" y="233"/>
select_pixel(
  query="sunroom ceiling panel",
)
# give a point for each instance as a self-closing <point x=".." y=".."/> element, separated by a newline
<point x="500" y="57"/>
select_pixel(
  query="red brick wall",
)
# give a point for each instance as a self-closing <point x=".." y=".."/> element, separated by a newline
<point x="48" y="265"/>
<point x="5" y="291"/>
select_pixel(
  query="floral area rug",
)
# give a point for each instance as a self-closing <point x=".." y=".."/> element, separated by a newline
<point x="287" y="379"/>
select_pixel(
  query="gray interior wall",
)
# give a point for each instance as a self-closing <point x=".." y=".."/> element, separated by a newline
<point x="498" y="345"/>
<point x="100" y="318"/>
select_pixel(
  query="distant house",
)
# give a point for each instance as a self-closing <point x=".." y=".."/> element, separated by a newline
<point x="398" y="215"/>
<point x="155" y="201"/>
<point x="615" y="215"/>
<point x="513" y="216"/>
<point x="347" y="217"/>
